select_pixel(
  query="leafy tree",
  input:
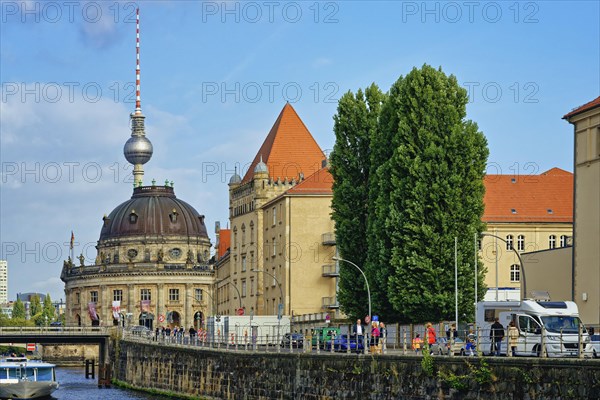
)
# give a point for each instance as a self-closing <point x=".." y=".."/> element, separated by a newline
<point x="354" y="123"/>
<point x="402" y="193"/>
<point x="35" y="306"/>
<point x="18" y="310"/>
<point x="48" y="310"/>
<point x="435" y="194"/>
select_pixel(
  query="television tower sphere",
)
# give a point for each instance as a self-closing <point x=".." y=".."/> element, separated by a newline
<point x="138" y="150"/>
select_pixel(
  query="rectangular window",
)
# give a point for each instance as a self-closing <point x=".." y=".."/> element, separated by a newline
<point x="552" y="242"/>
<point x="94" y="296"/>
<point x="77" y="298"/>
<point x="145" y="294"/>
<point x="274" y="216"/>
<point x="515" y="273"/>
<point x="274" y="247"/>
<point x="198" y="294"/>
<point x="243" y="263"/>
<point x="117" y="295"/>
<point x="252" y="287"/>
<point x="274" y="279"/>
<point x="173" y="294"/>
<point x="244" y="288"/>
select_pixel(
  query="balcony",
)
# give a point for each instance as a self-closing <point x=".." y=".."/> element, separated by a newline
<point x="329" y="303"/>
<point x="328" y="239"/>
<point x="330" y="271"/>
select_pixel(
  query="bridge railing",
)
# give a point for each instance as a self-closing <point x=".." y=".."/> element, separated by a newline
<point x="55" y="330"/>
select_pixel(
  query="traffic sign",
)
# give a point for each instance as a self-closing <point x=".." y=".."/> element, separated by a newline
<point x="161" y="318"/>
<point x="30" y="346"/>
<point x="240" y="311"/>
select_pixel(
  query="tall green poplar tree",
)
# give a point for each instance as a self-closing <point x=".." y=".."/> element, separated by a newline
<point x="433" y="193"/>
<point x="18" y="310"/>
<point x="354" y="125"/>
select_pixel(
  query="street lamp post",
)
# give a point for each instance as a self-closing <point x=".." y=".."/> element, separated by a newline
<point x="279" y="306"/>
<point x="520" y="261"/>
<point x="366" y="281"/>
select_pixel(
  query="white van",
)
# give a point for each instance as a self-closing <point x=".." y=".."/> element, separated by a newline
<point x="554" y="323"/>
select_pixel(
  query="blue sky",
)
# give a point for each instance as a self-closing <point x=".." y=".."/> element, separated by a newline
<point x="215" y="75"/>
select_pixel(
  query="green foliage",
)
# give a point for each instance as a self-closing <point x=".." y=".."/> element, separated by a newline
<point x="354" y="123"/>
<point x="35" y="306"/>
<point x="483" y="374"/>
<point x="458" y="382"/>
<point x="48" y="309"/>
<point x="408" y="172"/>
<point x="18" y="310"/>
<point x="427" y="361"/>
<point x="434" y="193"/>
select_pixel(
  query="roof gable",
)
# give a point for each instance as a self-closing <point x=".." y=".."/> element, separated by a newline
<point x="289" y="149"/>
<point x="547" y="197"/>
<point x="320" y="182"/>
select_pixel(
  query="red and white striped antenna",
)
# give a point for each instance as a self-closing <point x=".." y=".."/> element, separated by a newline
<point x="138" y="103"/>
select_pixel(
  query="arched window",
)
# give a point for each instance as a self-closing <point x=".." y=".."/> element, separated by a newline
<point x="515" y="273"/>
<point x="552" y="242"/>
<point x="521" y="242"/>
<point x="509" y="242"/>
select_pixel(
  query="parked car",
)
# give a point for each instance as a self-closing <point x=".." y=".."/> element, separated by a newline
<point x="323" y="335"/>
<point x="296" y="339"/>
<point x="595" y="344"/>
<point x="341" y="343"/>
<point x="442" y="347"/>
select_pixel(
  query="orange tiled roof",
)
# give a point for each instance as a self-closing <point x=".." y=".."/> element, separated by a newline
<point x="587" y="106"/>
<point x="318" y="183"/>
<point x="224" y="241"/>
<point x="289" y="149"/>
<point x="547" y="197"/>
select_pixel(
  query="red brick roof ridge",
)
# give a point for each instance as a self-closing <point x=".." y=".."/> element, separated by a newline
<point x="585" y="107"/>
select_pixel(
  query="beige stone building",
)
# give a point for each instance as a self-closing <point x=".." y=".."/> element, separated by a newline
<point x="586" y="253"/>
<point x="524" y="214"/>
<point x="281" y="231"/>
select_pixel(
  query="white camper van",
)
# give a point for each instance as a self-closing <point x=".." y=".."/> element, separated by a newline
<point x="555" y="324"/>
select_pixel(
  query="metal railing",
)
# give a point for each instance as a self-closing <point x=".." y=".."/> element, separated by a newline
<point x="56" y="330"/>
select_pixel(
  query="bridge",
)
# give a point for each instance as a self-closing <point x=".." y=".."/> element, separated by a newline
<point x="99" y="335"/>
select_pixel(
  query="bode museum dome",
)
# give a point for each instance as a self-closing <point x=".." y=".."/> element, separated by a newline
<point x="151" y="266"/>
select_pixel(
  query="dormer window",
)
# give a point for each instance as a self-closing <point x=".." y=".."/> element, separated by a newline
<point x="133" y="217"/>
<point x="106" y="220"/>
<point x="550" y="211"/>
<point x="513" y="210"/>
<point x="173" y="216"/>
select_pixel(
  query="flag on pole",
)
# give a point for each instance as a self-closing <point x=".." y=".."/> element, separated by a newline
<point x="72" y="241"/>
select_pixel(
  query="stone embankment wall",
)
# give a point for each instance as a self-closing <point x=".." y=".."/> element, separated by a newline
<point x="203" y="373"/>
<point x="68" y="354"/>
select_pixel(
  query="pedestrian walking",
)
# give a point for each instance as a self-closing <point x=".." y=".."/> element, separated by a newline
<point x="431" y="338"/>
<point x="513" y="337"/>
<point x="417" y="343"/>
<point x="496" y="336"/>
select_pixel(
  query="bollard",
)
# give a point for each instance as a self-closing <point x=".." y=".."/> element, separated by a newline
<point x="580" y="340"/>
<point x="543" y="351"/>
<point x="404" y="343"/>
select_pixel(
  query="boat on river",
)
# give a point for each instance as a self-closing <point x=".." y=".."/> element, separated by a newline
<point x="22" y="378"/>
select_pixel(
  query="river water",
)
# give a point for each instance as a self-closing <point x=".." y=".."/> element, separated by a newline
<point x="74" y="386"/>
